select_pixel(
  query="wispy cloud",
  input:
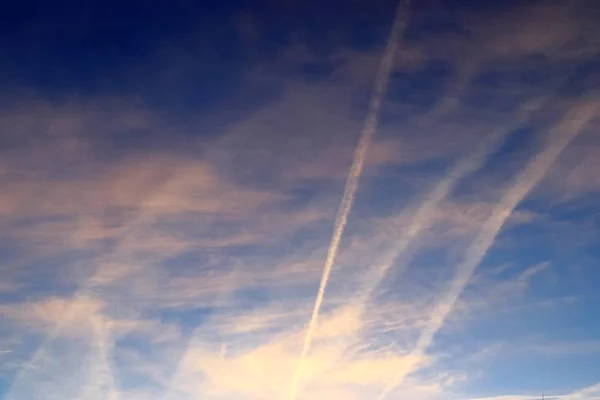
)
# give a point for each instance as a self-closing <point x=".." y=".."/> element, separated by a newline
<point x="152" y="256"/>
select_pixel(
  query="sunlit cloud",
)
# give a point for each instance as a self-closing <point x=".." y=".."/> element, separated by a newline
<point x="157" y="251"/>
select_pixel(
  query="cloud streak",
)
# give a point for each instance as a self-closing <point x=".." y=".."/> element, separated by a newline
<point x="166" y="254"/>
<point x="366" y="137"/>
<point x="563" y="134"/>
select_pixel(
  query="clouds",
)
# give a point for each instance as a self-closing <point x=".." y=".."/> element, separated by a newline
<point x="152" y="251"/>
<point x="331" y="368"/>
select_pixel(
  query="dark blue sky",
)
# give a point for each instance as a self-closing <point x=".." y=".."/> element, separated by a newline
<point x="85" y="47"/>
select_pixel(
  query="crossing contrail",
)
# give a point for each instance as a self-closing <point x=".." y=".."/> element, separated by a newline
<point x="425" y="213"/>
<point x="380" y="89"/>
<point x="564" y="133"/>
<point x="120" y="255"/>
<point x="79" y="297"/>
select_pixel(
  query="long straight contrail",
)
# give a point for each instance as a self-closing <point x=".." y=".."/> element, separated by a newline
<point x="424" y="214"/>
<point x="565" y="132"/>
<point x="368" y="132"/>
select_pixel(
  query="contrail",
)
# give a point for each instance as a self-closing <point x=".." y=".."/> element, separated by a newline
<point x="566" y="131"/>
<point x="380" y="89"/>
<point x="91" y="379"/>
<point x="80" y="295"/>
<point x="120" y="254"/>
<point x="102" y="383"/>
<point x="422" y="217"/>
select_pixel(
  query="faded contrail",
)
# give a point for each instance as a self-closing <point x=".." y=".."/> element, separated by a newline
<point x="102" y="382"/>
<point x="424" y="214"/>
<point x="121" y="252"/>
<point x="566" y="131"/>
<point x="381" y="84"/>
<point x="144" y="215"/>
<point x="79" y="296"/>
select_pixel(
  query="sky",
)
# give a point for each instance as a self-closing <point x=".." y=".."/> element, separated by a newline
<point x="294" y="200"/>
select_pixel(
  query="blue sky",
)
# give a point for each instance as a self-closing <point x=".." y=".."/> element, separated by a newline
<point x="172" y="174"/>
